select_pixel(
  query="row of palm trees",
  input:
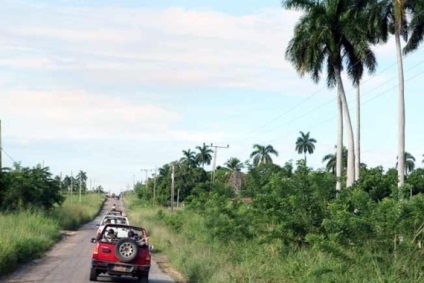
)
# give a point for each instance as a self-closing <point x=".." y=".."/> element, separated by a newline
<point x="203" y="157"/>
<point x="262" y="155"/>
<point x="338" y="35"/>
<point x="305" y="144"/>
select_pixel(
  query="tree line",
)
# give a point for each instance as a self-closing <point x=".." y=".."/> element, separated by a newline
<point x="37" y="187"/>
<point x="191" y="176"/>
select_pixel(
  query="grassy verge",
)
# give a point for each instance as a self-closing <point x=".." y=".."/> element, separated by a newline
<point x="72" y="214"/>
<point x="183" y="238"/>
<point x="26" y="235"/>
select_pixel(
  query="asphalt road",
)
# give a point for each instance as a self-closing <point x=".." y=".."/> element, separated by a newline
<point x="69" y="261"/>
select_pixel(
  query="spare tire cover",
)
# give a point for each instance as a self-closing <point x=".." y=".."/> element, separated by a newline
<point x="126" y="250"/>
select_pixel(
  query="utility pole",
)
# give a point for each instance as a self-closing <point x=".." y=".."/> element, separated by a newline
<point x="80" y="181"/>
<point x="72" y="188"/>
<point x="60" y="182"/>
<point x="172" y="187"/>
<point x="215" y="153"/>
<point x="154" y="187"/>
<point x="145" y="171"/>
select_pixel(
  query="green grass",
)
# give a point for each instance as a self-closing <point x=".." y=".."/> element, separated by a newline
<point x="184" y="239"/>
<point x="72" y="214"/>
<point x="26" y="235"/>
<point x="23" y="236"/>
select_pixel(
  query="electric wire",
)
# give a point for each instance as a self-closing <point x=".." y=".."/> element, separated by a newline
<point x="7" y="154"/>
<point x="362" y="103"/>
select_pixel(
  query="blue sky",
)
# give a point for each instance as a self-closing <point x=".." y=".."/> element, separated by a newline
<point x="112" y="87"/>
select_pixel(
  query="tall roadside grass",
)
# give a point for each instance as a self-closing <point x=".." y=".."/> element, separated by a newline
<point x="73" y="213"/>
<point x="183" y="238"/>
<point x="26" y="235"/>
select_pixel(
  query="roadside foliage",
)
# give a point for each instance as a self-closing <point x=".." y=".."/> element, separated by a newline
<point x="34" y="209"/>
<point x="286" y="224"/>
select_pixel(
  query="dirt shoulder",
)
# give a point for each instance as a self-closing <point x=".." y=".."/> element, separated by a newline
<point x="163" y="263"/>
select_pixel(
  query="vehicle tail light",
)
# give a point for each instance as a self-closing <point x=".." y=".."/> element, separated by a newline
<point x="106" y="250"/>
<point x="95" y="250"/>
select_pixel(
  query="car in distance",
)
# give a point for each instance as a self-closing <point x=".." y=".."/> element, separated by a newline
<point x="115" y="211"/>
<point x="112" y="219"/>
<point x="117" y="253"/>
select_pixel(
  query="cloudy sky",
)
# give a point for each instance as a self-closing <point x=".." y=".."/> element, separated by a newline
<point x="113" y="87"/>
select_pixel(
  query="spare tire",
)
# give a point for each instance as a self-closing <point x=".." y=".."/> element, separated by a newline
<point x="126" y="250"/>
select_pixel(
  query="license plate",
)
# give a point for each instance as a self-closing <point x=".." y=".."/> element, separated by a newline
<point x="119" y="268"/>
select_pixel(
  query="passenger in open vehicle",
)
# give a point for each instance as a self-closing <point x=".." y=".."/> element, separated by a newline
<point x="132" y="235"/>
<point x="110" y="236"/>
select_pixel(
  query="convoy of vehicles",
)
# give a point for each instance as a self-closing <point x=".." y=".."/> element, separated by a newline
<point x="121" y="249"/>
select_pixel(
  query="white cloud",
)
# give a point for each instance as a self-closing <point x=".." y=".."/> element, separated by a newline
<point x="27" y="63"/>
<point x="32" y="114"/>
<point x="171" y="47"/>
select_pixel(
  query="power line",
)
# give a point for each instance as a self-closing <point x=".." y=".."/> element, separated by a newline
<point x="333" y="99"/>
<point x="363" y="102"/>
<point x="8" y="155"/>
<point x="260" y="128"/>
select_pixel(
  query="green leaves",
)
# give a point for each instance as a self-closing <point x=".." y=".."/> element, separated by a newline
<point x="24" y="187"/>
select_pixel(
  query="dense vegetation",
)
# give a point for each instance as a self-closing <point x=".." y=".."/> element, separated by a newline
<point x="287" y="222"/>
<point x="25" y="188"/>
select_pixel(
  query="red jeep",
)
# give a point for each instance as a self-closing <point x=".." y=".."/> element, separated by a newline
<point x="121" y="250"/>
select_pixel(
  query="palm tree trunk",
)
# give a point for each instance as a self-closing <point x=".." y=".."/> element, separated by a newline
<point x="339" y="152"/>
<point x="348" y="124"/>
<point x="401" y="111"/>
<point x="358" y="133"/>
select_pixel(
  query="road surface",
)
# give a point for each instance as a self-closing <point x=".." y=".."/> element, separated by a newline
<point x="69" y="261"/>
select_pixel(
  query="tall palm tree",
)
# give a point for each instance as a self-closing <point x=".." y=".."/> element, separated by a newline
<point x="189" y="157"/>
<point x="305" y="144"/>
<point x="358" y="133"/>
<point x="204" y="156"/>
<point x="330" y="160"/>
<point x="394" y="20"/>
<point x="332" y="33"/>
<point x="262" y="154"/>
<point x="409" y="163"/>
